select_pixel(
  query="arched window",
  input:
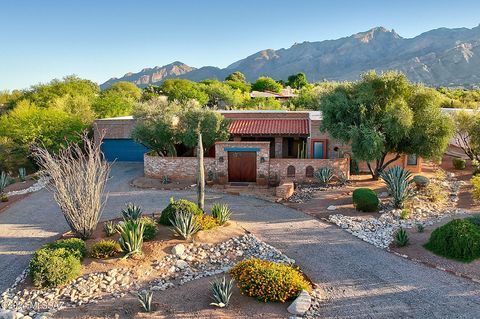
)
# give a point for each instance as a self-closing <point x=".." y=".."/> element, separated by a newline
<point x="291" y="171"/>
<point x="309" y="171"/>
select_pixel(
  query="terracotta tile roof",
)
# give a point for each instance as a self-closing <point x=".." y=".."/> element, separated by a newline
<point x="270" y="127"/>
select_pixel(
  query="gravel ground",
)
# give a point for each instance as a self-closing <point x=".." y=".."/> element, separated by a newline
<point x="361" y="280"/>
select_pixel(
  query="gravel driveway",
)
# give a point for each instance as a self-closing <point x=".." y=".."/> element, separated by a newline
<point x="362" y="281"/>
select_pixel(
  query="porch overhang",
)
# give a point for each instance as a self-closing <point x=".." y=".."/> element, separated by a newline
<point x="270" y="127"/>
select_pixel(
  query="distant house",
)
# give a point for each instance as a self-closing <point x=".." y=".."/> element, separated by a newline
<point x="284" y="94"/>
<point x="263" y="143"/>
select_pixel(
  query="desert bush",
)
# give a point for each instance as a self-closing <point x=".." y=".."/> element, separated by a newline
<point x="221" y="212"/>
<point x="222" y="292"/>
<point x="80" y="199"/>
<point x="459" y="239"/>
<point x="131" y="236"/>
<point x="178" y="205"/>
<point x="145" y="299"/>
<point x="53" y="267"/>
<point x="132" y="211"/>
<point x="398" y="184"/>
<point x="185" y="224"/>
<point x="208" y="222"/>
<point x="267" y="280"/>
<point x="476" y="187"/>
<point x="401" y="238"/>
<point x="324" y="175"/>
<point x="105" y="249"/>
<point x="436" y="193"/>
<point x="459" y="163"/>
<point x="405" y="213"/>
<point x="365" y="200"/>
<point x="421" y="181"/>
<point x="74" y="246"/>
<point x="109" y="228"/>
<point x="475" y="220"/>
<point x="3" y="198"/>
<point x="150" y="230"/>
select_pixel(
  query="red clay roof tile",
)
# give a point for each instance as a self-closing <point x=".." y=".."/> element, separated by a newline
<point x="270" y="127"/>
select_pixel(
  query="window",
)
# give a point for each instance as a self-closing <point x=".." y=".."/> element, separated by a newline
<point x="309" y="171"/>
<point x="291" y="171"/>
<point x="412" y="159"/>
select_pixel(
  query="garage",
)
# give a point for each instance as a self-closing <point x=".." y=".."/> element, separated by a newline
<point x="123" y="150"/>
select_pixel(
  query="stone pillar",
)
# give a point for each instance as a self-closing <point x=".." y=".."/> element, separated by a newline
<point x="278" y="147"/>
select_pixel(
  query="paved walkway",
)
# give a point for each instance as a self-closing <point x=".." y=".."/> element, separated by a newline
<point x="363" y="281"/>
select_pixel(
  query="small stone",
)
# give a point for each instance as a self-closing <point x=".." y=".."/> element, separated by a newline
<point x="181" y="264"/>
<point x="178" y="250"/>
<point x="332" y="207"/>
<point x="301" y="304"/>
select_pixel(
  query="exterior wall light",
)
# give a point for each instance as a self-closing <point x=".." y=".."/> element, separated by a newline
<point x="220" y="159"/>
<point x="262" y="159"/>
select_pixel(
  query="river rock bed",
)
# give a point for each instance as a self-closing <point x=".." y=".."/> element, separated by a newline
<point x="38" y="185"/>
<point x="380" y="231"/>
<point x="186" y="263"/>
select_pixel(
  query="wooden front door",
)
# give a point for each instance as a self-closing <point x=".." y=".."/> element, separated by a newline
<point x="242" y="166"/>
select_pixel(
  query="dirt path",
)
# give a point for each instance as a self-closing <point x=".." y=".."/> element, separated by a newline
<point x="362" y="281"/>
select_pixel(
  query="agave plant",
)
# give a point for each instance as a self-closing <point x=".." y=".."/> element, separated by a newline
<point x="131" y="236"/>
<point x="22" y="174"/>
<point x="221" y="212"/>
<point x="109" y="228"/>
<point x="324" y="175"/>
<point x="401" y="238"/>
<point x="399" y="185"/>
<point x="132" y="212"/>
<point x="3" y="182"/>
<point x="185" y="224"/>
<point x="222" y="291"/>
<point x="145" y="299"/>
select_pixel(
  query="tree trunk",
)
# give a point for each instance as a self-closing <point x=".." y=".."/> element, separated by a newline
<point x="201" y="173"/>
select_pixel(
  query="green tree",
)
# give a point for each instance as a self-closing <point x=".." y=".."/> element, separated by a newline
<point x="297" y="81"/>
<point x="236" y="76"/>
<point x="112" y="104"/>
<point x="265" y="83"/>
<point x="127" y="89"/>
<point x="309" y="96"/>
<point x="155" y="128"/>
<point x="243" y="87"/>
<point x="384" y="114"/>
<point x="467" y="133"/>
<point x="184" y="90"/>
<point x="262" y="103"/>
<point x="222" y="95"/>
<point x="150" y="92"/>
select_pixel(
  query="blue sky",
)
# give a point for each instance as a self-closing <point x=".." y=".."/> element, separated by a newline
<point x="98" y="39"/>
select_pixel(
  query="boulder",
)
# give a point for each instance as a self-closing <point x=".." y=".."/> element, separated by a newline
<point x="301" y="304"/>
<point x="178" y="250"/>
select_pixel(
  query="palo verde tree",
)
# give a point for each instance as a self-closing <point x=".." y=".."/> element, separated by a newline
<point x="265" y="83"/>
<point x="236" y="76"/>
<point x="467" y="133"/>
<point x="383" y="114"/>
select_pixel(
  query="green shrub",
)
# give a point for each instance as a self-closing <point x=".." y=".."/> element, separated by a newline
<point x="398" y="184"/>
<point x="405" y="214"/>
<point x="178" y="205"/>
<point x="221" y="212"/>
<point x="208" y="222"/>
<point x="105" y="249"/>
<point x="109" y="228"/>
<point x="131" y="236"/>
<point x="267" y="280"/>
<point x="75" y="246"/>
<point x="53" y="267"/>
<point x="459" y="163"/>
<point x="476" y="187"/>
<point x="475" y="220"/>
<point x="150" y="230"/>
<point x="401" y="238"/>
<point x="420" y="228"/>
<point x="436" y="193"/>
<point x="459" y="239"/>
<point x="365" y="200"/>
<point x="421" y="181"/>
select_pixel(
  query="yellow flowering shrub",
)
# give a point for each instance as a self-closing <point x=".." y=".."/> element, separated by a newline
<point x="268" y="281"/>
<point x="208" y="222"/>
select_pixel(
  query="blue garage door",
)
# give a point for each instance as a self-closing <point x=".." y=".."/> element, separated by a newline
<point x="126" y="150"/>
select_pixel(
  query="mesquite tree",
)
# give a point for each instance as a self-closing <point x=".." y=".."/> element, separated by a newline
<point x="78" y="178"/>
<point x="201" y="173"/>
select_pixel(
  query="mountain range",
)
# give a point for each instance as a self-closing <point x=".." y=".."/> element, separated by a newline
<point x="440" y="57"/>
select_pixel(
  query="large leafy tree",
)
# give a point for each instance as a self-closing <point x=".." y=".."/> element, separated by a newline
<point x="113" y="104"/>
<point x="467" y="133"/>
<point x="222" y="95"/>
<point x="297" y="81"/>
<point x="265" y="83"/>
<point x="384" y="114"/>
<point x="184" y="90"/>
<point x="236" y="76"/>
<point x="127" y="89"/>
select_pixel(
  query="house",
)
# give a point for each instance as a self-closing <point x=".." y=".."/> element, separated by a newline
<point x="284" y="94"/>
<point x="287" y="145"/>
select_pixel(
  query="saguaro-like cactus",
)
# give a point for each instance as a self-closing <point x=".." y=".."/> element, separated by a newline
<point x="201" y="173"/>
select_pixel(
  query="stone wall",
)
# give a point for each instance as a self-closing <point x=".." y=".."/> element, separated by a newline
<point x="402" y="162"/>
<point x="280" y="167"/>
<point x="176" y="168"/>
